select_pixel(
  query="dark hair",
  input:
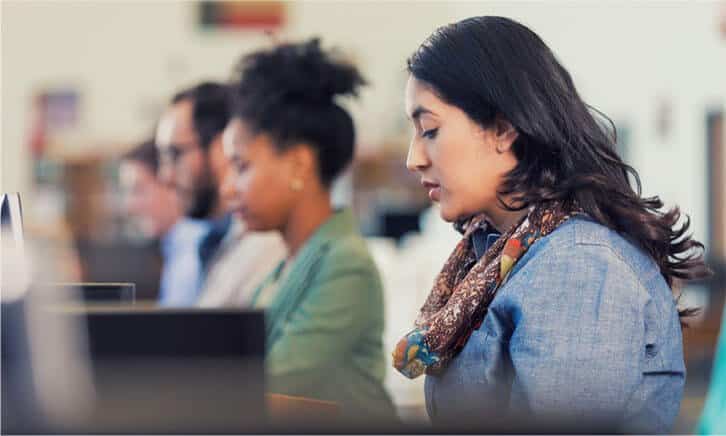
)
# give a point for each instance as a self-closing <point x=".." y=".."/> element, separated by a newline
<point x="145" y="153"/>
<point x="288" y="93"/>
<point x="494" y="66"/>
<point x="211" y="111"/>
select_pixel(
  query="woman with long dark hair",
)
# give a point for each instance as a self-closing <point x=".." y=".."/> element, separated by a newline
<point x="557" y="305"/>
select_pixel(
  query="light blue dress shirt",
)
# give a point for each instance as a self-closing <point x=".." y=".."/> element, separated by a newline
<point x="182" y="275"/>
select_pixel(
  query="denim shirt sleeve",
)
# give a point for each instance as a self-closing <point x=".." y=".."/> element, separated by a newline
<point x="572" y="347"/>
<point x="580" y="346"/>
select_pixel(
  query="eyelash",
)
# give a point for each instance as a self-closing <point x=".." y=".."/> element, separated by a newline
<point x="430" y="134"/>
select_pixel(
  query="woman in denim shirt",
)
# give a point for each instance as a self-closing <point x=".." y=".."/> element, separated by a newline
<point x="555" y="312"/>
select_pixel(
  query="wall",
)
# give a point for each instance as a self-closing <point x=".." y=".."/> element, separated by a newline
<point x="128" y="58"/>
<point x="623" y="57"/>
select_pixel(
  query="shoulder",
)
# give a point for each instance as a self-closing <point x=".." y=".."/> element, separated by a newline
<point x="268" y="243"/>
<point x="585" y="241"/>
<point x="249" y="251"/>
<point x="346" y="271"/>
<point x="586" y="258"/>
<point x="348" y="253"/>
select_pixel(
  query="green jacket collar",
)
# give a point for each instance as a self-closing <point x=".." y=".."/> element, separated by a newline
<point x="340" y="224"/>
<point x="290" y="294"/>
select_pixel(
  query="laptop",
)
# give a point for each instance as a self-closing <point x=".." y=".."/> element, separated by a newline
<point x="94" y="292"/>
<point x="175" y="371"/>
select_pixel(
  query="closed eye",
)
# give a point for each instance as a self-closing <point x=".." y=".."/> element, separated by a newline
<point x="430" y="134"/>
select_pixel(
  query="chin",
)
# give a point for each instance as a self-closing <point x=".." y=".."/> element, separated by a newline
<point x="254" y="225"/>
<point x="448" y="214"/>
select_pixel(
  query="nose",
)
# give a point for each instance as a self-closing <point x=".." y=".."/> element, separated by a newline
<point x="167" y="173"/>
<point x="417" y="159"/>
<point x="228" y="189"/>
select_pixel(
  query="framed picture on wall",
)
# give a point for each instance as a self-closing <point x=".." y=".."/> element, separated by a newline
<point x="236" y="15"/>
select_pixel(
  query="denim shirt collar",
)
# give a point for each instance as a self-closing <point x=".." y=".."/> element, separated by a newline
<point x="484" y="238"/>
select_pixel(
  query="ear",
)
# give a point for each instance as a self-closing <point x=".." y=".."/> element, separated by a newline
<point x="304" y="160"/>
<point x="504" y="133"/>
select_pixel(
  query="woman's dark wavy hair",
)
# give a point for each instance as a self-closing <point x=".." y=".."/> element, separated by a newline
<point x="493" y="66"/>
<point x="288" y="92"/>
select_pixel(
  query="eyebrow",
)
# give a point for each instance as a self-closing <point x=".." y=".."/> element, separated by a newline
<point x="420" y="110"/>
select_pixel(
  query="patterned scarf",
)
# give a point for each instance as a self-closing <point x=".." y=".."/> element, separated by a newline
<point x="465" y="287"/>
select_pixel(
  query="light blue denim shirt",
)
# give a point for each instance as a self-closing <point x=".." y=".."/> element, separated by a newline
<point x="181" y="274"/>
<point x="584" y="331"/>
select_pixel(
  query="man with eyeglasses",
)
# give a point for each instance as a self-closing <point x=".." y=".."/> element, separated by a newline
<point x="223" y="256"/>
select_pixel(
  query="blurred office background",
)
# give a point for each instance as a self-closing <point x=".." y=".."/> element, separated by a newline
<point x="82" y="82"/>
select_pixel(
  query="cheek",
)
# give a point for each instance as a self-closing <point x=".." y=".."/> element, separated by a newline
<point x="251" y="182"/>
<point x="470" y="176"/>
<point x="132" y="203"/>
<point x="149" y="202"/>
<point x="191" y="171"/>
<point x="262" y="192"/>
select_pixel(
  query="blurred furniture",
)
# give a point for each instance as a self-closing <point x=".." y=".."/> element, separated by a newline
<point x="699" y="340"/>
<point x="291" y="410"/>
<point x="79" y="191"/>
<point x="716" y="244"/>
<point x="96" y="292"/>
<point x="122" y="261"/>
<point x="386" y="195"/>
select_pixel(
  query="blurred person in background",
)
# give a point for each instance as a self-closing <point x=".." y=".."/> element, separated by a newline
<point x="288" y="140"/>
<point x="157" y="209"/>
<point x="556" y="308"/>
<point x="224" y="257"/>
<point x="713" y="419"/>
<point x="153" y="205"/>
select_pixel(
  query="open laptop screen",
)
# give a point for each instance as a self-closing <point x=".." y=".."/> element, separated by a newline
<point x="178" y="371"/>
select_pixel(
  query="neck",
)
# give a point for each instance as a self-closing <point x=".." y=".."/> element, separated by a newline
<point x="217" y="212"/>
<point x="503" y="219"/>
<point x="304" y="220"/>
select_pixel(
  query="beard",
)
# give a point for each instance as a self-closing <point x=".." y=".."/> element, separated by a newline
<point x="203" y="203"/>
<point x="204" y="198"/>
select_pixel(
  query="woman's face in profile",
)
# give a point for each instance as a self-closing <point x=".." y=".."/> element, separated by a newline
<point x="257" y="186"/>
<point x="461" y="163"/>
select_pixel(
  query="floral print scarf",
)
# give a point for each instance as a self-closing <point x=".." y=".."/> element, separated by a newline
<point x="464" y="288"/>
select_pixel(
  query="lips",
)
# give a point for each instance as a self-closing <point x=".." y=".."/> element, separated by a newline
<point x="238" y="211"/>
<point x="434" y="189"/>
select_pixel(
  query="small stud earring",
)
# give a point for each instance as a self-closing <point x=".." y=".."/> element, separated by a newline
<point x="296" y="185"/>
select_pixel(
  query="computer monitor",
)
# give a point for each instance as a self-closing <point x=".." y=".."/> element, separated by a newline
<point x="15" y="277"/>
<point x="176" y="371"/>
<point x="94" y="292"/>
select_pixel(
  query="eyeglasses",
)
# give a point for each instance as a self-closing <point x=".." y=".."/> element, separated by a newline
<point x="174" y="152"/>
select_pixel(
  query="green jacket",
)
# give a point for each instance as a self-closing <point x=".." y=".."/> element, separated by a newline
<point x="325" y="325"/>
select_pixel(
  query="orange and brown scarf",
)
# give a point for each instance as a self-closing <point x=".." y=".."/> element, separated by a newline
<point x="465" y="287"/>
